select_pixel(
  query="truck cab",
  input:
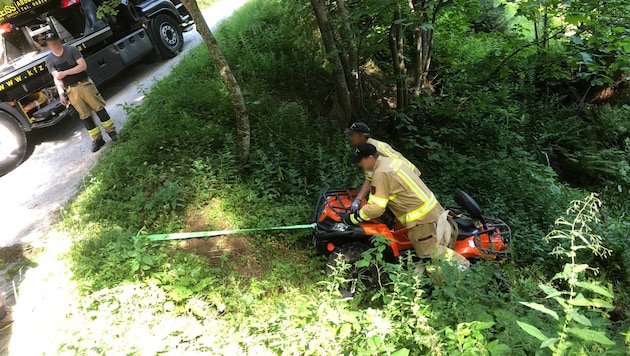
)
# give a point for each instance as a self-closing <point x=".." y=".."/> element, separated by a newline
<point x="110" y="41"/>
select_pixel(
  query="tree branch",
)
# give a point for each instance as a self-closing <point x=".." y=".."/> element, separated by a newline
<point x="496" y="70"/>
<point x="500" y="65"/>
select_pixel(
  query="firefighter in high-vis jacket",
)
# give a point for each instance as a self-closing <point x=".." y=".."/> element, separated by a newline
<point x="358" y="134"/>
<point x="398" y="187"/>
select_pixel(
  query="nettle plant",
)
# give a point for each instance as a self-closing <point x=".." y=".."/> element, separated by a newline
<point x="580" y="313"/>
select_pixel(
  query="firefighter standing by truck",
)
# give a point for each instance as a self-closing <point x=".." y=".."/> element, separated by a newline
<point x="358" y="134"/>
<point x="69" y="71"/>
<point x="398" y="187"/>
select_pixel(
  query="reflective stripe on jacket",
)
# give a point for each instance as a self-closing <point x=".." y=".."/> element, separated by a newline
<point x="384" y="149"/>
<point x="396" y="186"/>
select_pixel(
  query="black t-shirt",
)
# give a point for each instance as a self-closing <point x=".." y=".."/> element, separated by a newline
<point x="67" y="60"/>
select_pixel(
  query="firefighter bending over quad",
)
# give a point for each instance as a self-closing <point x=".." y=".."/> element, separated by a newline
<point x="398" y="187"/>
<point x="358" y="134"/>
<point x="69" y="70"/>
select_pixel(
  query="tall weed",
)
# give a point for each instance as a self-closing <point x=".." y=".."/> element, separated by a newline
<point x="581" y="323"/>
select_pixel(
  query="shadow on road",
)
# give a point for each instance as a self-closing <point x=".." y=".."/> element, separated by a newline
<point x="61" y="132"/>
<point x="14" y="261"/>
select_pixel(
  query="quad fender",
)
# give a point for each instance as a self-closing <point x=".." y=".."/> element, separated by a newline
<point x="26" y="126"/>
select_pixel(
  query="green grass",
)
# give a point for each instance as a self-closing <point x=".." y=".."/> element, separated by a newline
<point x="174" y="169"/>
<point x="206" y="4"/>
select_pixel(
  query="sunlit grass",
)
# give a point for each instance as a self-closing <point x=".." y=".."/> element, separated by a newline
<point x="205" y="4"/>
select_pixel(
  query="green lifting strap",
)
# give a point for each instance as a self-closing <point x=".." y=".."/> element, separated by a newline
<point x="201" y="234"/>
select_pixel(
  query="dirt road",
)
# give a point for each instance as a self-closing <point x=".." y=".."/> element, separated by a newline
<point x="59" y="157"/>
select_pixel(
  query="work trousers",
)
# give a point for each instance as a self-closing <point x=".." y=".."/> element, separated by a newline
<point x="86" y="98"/>
<point x="436" y="240"/>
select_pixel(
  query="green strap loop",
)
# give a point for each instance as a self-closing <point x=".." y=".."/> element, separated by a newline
<point x="200" y="234"/>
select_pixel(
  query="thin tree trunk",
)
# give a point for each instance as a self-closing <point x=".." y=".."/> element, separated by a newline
<point x="429" y="45"/>
<point x="426" y="60"/>
<point x="344" y="57"/>
<point x="426" y="13"/>
<point x="396" y="46"/>
<point x="243" y="133"/>
<point x="545" y="29"/>
<point x="418" y="64"/>
<point x="536" y="34"/>
<point x="351" y="47"/>
<point x="328" y="37"/>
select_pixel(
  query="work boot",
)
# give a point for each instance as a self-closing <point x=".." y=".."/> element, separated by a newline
<point x="96" y="145"/>
<point x="113" y="135"/>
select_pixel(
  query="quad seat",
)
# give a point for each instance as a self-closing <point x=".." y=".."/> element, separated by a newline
<point x="466" y="227"/>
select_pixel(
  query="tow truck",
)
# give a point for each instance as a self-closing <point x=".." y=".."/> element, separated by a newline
<point x="110" y="42"/>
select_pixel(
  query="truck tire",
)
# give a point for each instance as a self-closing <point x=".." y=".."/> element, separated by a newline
<point x="12" y="143"/>
<point x="169" y="39"/>
<point x="3" y="309"/>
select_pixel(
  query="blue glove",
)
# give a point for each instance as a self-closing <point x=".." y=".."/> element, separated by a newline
<point x="356" y="205"/>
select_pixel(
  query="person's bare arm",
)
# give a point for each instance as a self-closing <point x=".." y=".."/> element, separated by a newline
<point x="365" y="188"/>
<point x="60" y="88"/>
<point x="79" y="68"/>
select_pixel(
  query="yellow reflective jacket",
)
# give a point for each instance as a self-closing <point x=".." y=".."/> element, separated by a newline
<point x="384" y="149"/>
<point x="396" y="186"/>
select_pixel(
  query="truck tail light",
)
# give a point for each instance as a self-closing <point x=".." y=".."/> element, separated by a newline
<point x="68" y="3"/>
<point x="5" y="28"/>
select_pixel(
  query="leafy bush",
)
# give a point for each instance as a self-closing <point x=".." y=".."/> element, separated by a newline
<point x="263" y="43"/>
<point x="491" y="16"/>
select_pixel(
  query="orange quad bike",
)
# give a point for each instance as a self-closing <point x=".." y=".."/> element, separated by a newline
<point x="479" y="237"/>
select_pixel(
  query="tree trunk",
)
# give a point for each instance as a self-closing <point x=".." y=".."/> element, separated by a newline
<point x="423" y="80"/>
<point x="425" y="14"/>
<point x="351" y="47"/>
<point x="341" y="85"/>
<point x="536" y="34"/>
<point x="343" y="57"/>
<point x="396" y="46"/>
<point x="545" y="29"/>
<point x="427" y="52"/>
<point x="417" y="53"/>
<point x="243" y="133"/>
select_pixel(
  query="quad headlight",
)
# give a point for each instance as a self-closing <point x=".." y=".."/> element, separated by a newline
<point x="340" y="227"/>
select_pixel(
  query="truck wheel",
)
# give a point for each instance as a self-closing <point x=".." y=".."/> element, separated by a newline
<point x="12" y="143"/>
<point x="3" y="309"/>
<point x="169" y="39"/>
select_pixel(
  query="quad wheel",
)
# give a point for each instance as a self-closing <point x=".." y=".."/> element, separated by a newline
<point x="351" y="278"/>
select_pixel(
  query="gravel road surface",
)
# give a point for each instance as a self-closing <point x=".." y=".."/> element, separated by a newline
<point x="59" y="158"/>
